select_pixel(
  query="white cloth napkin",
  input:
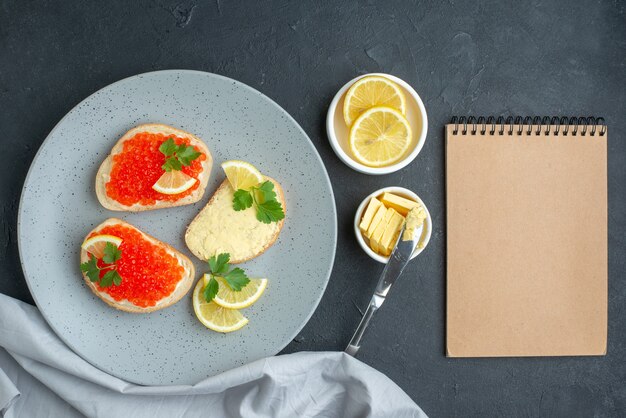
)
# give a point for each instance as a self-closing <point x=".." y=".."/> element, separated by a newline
<point x="41" y="377"/>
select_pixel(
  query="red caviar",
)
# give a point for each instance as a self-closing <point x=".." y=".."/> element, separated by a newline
<point x="138" y="167"/>
<point x="149" y="273"/>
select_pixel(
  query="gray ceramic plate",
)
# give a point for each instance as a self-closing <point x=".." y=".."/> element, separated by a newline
<point x="59" y="206"/>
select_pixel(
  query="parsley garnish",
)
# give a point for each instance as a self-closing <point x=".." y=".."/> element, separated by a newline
<point x="110" y="257"/>
<point x="211" y="289"/>
<point x="177" y="155"/>
<point x="263" y="197"/>
<point x="111" y="253"/>
<point x="235" y="278"/>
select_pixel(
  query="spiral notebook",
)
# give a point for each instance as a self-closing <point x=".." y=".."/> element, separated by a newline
<point x="526" y="237"/>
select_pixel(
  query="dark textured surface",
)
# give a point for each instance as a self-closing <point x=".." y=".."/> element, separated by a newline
<point x="545" y="58"/>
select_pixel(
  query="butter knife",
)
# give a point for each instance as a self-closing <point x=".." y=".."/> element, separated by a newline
<point x="398" y="260"/>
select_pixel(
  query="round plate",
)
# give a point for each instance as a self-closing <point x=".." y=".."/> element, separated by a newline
<point x="59" y="207"/>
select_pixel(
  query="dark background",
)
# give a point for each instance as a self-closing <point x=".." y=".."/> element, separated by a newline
<point x="491" y="58"/>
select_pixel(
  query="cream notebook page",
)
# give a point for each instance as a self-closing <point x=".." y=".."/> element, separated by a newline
<point x="526" y="241"/>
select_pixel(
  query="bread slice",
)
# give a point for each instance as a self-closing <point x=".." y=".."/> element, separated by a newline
<point x="103" y="176"/>
<point x="182" y="287"/>
<point x="218" y="228"/>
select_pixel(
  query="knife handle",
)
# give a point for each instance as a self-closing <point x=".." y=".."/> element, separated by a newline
<point x="355" y="342"/>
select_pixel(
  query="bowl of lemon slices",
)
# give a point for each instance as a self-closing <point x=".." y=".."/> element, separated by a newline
<point x="377" y="124"/>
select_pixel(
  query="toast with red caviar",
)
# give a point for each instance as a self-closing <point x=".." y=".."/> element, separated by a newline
<point x="218" y="228"/>
<point x="133" y="271"/>
<point x="127" y="178"/>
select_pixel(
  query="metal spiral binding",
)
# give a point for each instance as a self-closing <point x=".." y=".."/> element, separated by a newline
<point x="546" y="124"/>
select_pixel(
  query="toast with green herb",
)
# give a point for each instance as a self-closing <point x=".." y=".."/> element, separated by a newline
<point x="133" y="272"/>
<point x="144" y="162"/>
<point x="243" y="223"/>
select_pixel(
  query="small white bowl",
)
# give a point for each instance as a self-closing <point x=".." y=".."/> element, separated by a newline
<point x="425" y="230"/>
<point x="338" y="131"/>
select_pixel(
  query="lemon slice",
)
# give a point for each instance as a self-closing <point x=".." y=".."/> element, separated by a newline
<point x="174" y="182"/>
<point x="380" y="136"/>
<point x="369" y="92"/>
<point x="95" y="245"/>
<point x="228" y="298"/>
<point x="213" y="316"/>
<point x="242" y="175"/>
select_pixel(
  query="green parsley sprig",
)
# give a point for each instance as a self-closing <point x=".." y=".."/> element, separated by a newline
<point x="177" y="155"/>
<point x="263" y="197"/>
<point x="235" y="278"/>
<point x="110" y="257"/>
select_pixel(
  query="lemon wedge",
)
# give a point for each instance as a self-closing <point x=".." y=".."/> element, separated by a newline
<point x="242" y="175"/>
<point x="95" y="245"/>
<point x="228" y="298"/>
<point x="369" y="92"/>
<point x="174" y="182"/>
<point x="380" y="136"/>
<point x="214" y="316"/>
